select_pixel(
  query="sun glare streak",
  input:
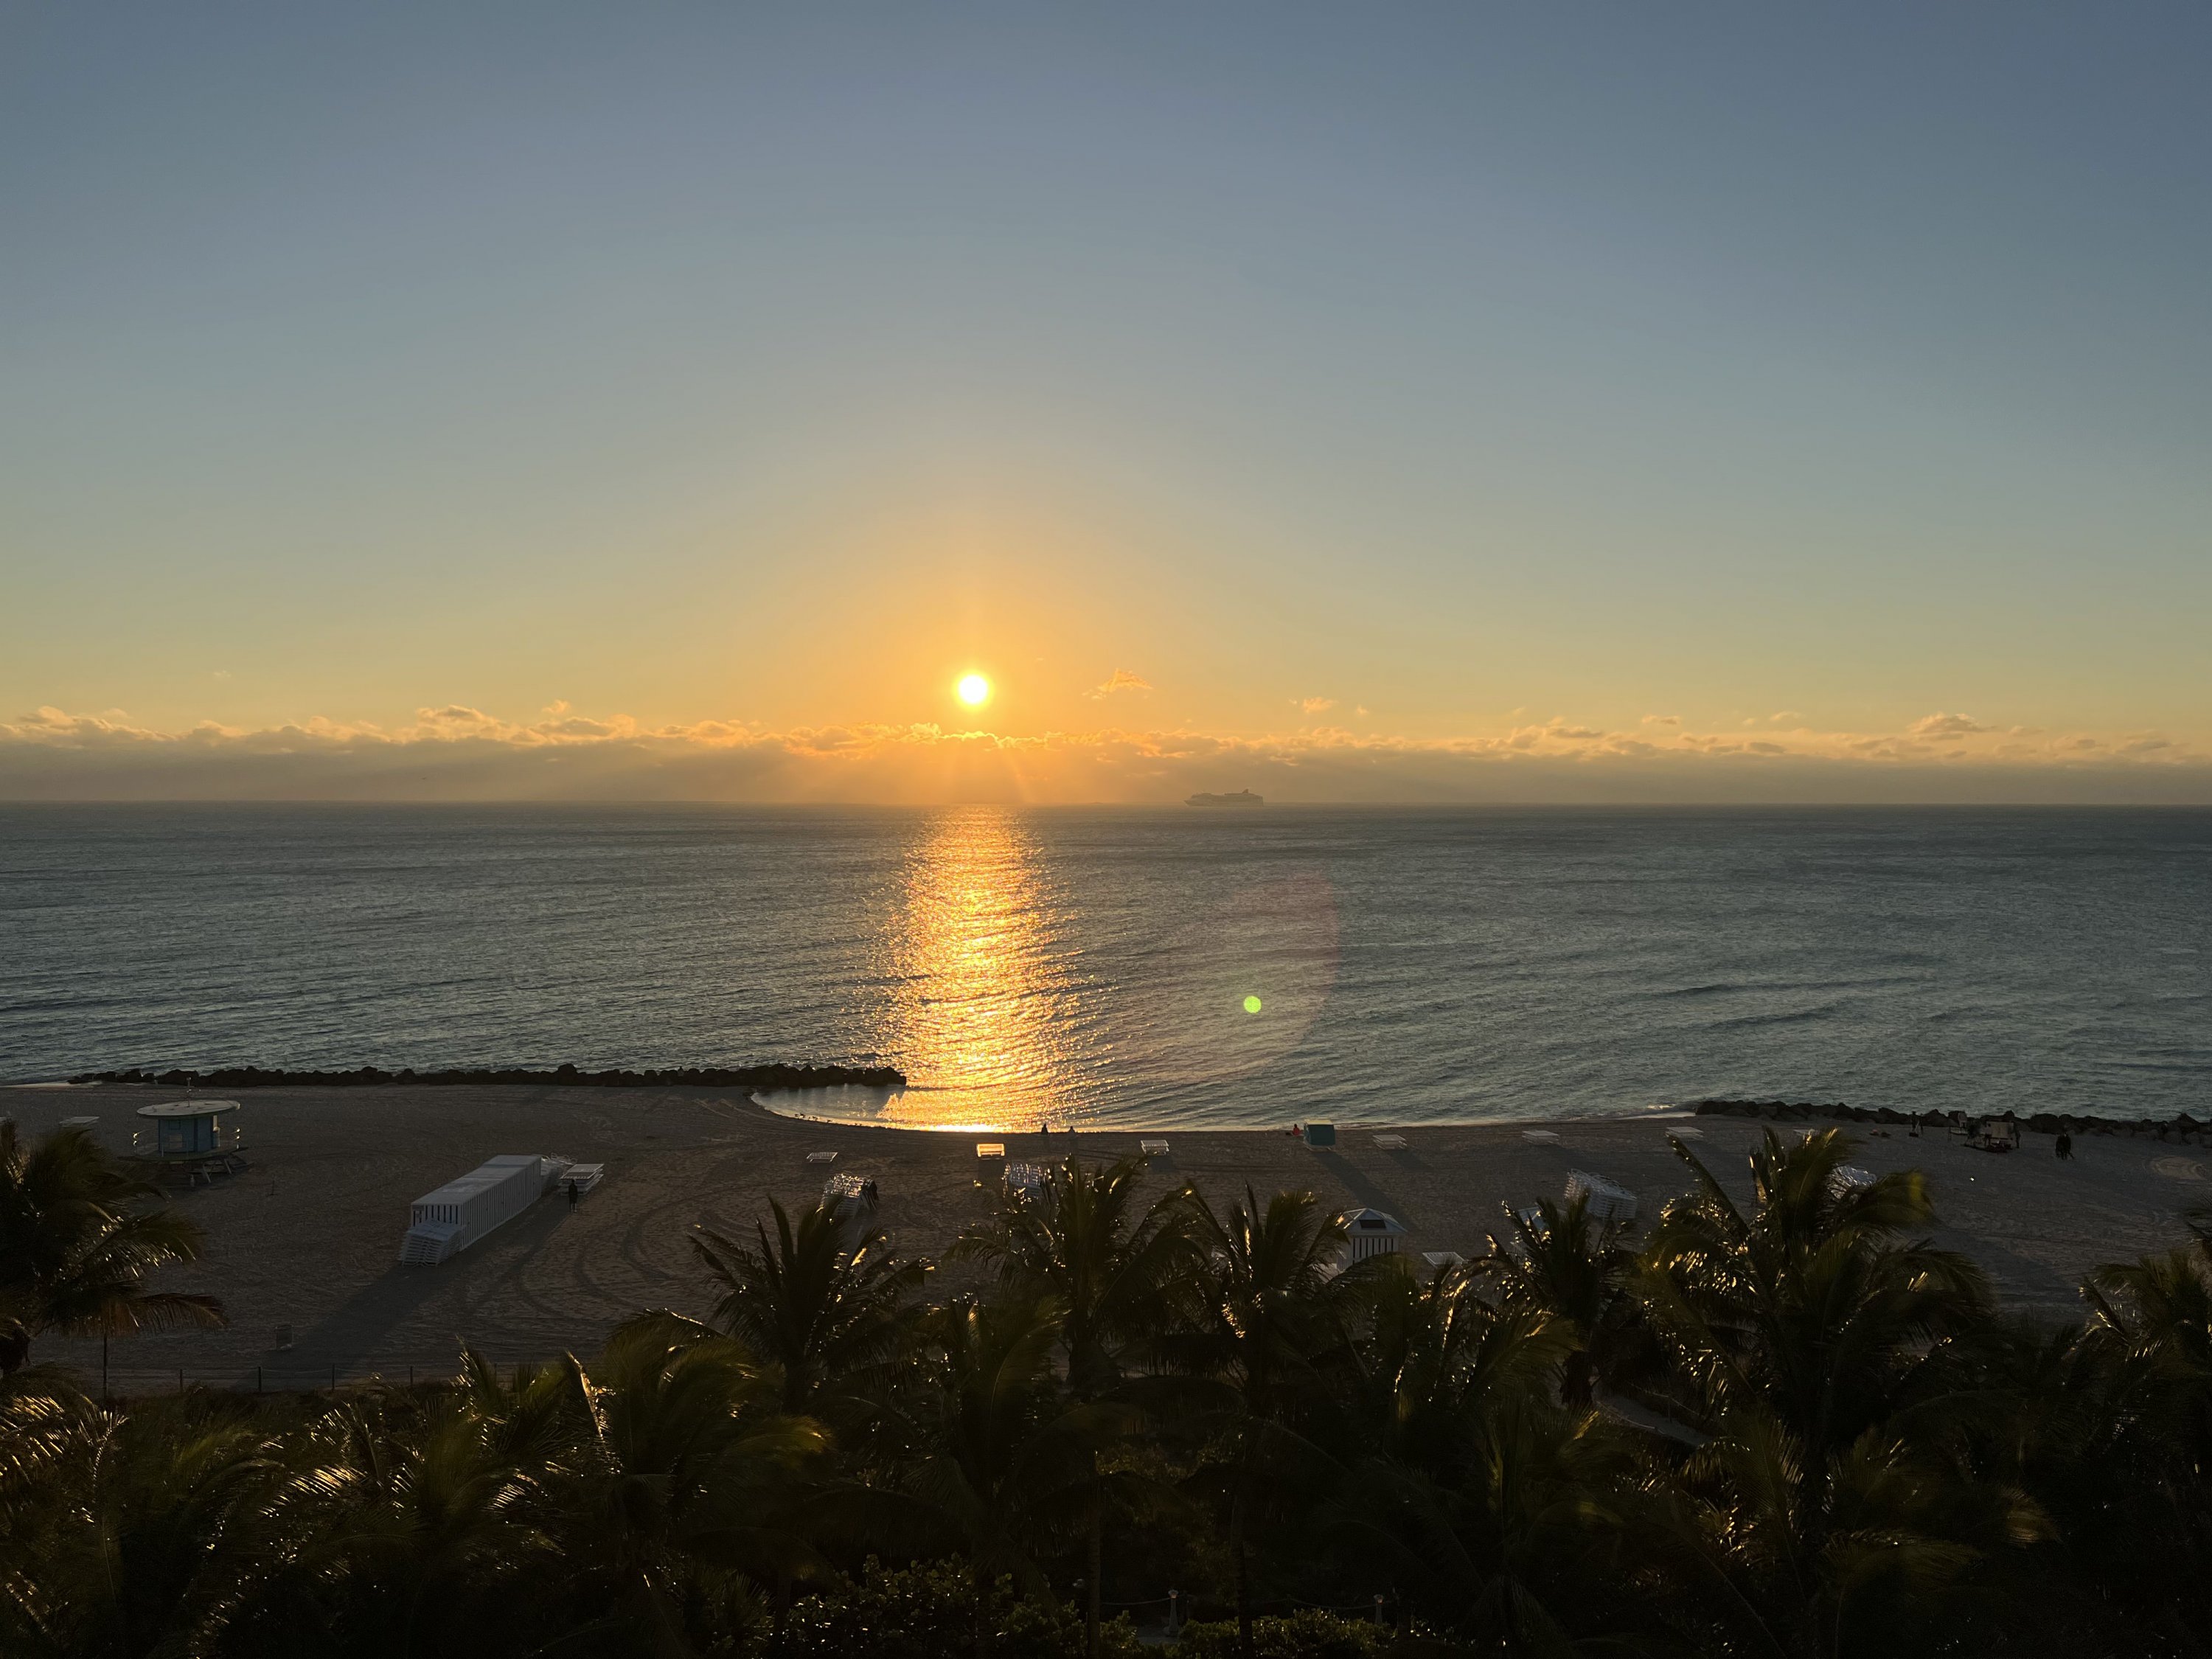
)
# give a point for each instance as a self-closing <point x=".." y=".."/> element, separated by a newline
<point x="986" y="1013"/>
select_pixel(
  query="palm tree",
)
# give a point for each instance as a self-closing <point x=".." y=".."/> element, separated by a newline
<point x="1809" y="1306"/>
<point x="685" y="1470"/>
<point x="824" y="1300"/>
<point x="1110" y="1269"/>
<point x="1258" y="1311"/>
<point x="1481" y="1500"/>
<point x="127" y="1544"/>
<point x="76" y="1247"/>
<point x="1556" y="1260"/>
<point x="1816" y="1348"/>
<point x="2144" y="1524"/>
<point x="398" y="1529"/>
<point x="1004" y="1462"/>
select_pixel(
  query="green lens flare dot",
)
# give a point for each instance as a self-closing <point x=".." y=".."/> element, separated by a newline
<point x="1251" y="1004"/>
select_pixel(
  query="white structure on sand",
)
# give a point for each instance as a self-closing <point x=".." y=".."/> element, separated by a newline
<point x="1370" y="1232"/>
<point x="1609" y="1199"/>
<point x="443" y="1223"/>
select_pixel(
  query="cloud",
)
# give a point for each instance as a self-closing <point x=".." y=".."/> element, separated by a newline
<point x="1663" y="720"/>
<point x="457" y="752"/>
<point x="1948" y="726"/>
<point x="1314" y="705"/>
<point x="1121" y="679"/>
<point x="1785" y="714"/>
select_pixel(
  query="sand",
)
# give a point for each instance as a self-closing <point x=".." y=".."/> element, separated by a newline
<point x="309" y="1237"/>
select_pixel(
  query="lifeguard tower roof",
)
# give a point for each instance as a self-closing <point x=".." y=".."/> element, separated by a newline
<point x="188" y="1109"/>
<point x="1372" y="1221"/>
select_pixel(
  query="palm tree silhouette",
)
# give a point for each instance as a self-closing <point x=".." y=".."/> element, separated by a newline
<point x="1110" y="1269"/>
<point x="823" y="1299"/>
<point x="77" y="1245"/>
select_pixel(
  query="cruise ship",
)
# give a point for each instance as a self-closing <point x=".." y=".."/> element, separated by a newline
<point x="1242" y="798"/>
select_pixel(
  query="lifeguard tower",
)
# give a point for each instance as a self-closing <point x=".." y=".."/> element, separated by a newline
<point x="190" y="1139"/>
<point x="1370" y="1232"/>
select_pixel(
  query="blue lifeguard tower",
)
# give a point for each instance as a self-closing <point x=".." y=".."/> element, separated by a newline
<point x="191" y="1133"/>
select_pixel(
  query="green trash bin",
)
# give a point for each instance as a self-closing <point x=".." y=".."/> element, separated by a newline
<point x="1320" y="1134"/>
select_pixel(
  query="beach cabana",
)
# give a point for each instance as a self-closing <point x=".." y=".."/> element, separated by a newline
<point x="1609" y="1199"/>
<point x="443" y="1223"/>
<point x="1370" y="1232"/>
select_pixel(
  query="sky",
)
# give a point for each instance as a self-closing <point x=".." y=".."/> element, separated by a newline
<point x="1352" y="402"/>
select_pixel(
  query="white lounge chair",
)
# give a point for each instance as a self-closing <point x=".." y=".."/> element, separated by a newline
<point x="990" y="1149"/>
<point x="822" y="1157"/>
<point x="1153" y="1148"/>
<point x="1391" y="1143"/>
<point x="1541" y="1136"/>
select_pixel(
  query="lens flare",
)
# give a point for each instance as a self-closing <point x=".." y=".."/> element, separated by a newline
<point x="1251" y="1004"/>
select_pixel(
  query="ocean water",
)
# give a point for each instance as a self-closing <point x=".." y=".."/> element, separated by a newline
<point x="1231" y="967"/>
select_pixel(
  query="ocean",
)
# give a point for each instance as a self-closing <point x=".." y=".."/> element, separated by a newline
<point x="1224" y="967"/>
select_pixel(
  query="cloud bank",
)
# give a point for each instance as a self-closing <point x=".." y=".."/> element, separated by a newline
<point x="457" y="753"/>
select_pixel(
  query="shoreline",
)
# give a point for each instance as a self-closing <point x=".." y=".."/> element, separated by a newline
<point x="302" y="1247"/>
<point x="779" y="1079"/>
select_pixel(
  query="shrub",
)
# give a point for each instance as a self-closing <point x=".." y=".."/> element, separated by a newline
<point x="928" y="1612"/>
<point x="1307" y="1635"/>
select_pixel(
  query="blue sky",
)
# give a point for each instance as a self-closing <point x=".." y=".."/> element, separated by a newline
<point x="1402" y="377"/>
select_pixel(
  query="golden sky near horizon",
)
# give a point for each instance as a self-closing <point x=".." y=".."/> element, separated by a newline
<point x="1477" y="408"/>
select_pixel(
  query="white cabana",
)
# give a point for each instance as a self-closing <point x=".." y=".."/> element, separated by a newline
<point x="1609" y="1199"/>
<point x="443" y="1223"/>
<point x="1849" y="1178"/>
<point x="1370" y="1232"/>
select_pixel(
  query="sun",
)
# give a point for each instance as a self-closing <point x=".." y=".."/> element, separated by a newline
<point x="973" y="690"/>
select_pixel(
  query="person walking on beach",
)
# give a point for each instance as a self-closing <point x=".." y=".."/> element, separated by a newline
<point x="574" y="1195"/>
<point x="2063" y="1146"/>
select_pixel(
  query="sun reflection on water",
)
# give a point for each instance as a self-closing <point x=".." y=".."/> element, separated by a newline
<point x="1015" y="981"/>
<point x="986" y="1016"/>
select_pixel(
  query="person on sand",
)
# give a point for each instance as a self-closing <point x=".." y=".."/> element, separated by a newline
<point x="573" y="1194"/>
<point x="2063" y="1146"/>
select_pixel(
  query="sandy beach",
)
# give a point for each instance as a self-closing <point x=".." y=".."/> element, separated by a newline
<point x="309" y="1237"/>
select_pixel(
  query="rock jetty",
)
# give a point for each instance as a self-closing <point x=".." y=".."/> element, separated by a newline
<point x="2180" y="1127"/>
